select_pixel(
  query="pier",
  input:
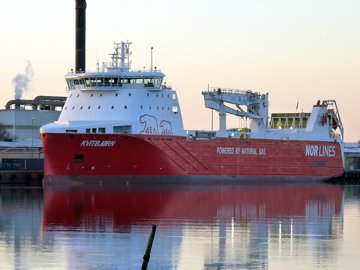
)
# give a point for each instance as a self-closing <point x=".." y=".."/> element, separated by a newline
<point x="21" y="166"/>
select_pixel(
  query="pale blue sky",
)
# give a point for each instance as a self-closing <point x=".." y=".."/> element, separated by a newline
<point x="296" y="50"/>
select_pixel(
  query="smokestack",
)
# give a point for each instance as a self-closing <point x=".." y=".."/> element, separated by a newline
<point x="80" y="35"/>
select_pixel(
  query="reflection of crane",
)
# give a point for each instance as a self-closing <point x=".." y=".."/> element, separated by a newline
<point x="255" y="103"/>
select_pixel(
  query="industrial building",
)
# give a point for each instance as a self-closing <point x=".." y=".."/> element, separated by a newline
<point x="21" y="120"/>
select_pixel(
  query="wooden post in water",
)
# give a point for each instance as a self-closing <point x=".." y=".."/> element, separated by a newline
<point x="146" y="257"/>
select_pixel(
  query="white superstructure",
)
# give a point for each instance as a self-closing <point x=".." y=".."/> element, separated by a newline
<point x="118" y="100"/>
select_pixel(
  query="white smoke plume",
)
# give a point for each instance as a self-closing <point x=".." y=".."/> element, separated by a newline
<point x="22" y="81"/>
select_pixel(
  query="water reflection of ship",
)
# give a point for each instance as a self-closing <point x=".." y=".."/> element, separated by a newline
<point x="126" y="205"/>
<point x="258" y="219"/>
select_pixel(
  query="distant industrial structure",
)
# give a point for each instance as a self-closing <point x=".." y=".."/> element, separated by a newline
<point x="22" y="118"/>
<point x="352" y="156"/>
<point x="21" y="155"/>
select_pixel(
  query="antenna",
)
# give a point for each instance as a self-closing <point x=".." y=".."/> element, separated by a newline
<point x="151" y="65"/>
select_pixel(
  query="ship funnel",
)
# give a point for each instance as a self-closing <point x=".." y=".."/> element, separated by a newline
<point x="80" y="35"/>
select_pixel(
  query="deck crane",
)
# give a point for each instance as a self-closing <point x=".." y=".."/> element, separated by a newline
<point x="256" y="106"/>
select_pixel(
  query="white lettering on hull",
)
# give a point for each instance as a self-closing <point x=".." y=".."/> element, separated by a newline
<point x="320" y="150"/>
<point x="240" y="151"/>
<point x="94" y="143"/>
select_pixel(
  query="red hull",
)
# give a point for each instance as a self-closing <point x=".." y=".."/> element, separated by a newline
<point x="143" y="155"/>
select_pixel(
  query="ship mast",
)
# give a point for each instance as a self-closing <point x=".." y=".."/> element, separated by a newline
<point x="121" y="56"/>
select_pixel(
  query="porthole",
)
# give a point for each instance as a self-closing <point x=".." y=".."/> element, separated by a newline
<point x="116" y="94"/>
<point x="99" y="107"/>
<point x="89" y="108"/>
<point x="112" y="107"/>
<point x="125" y="107"/>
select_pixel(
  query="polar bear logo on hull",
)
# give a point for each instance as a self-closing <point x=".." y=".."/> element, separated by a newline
<point x="166" y="128"/>
<point x="150" y="124"/>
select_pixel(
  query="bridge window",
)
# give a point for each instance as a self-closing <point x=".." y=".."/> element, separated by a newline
<point x="99" y="81"/>
<point x="111" y="81"/>
<point x="149" y="82"/>
<point x="87" y="82"/>
<point x="175" y="109"/>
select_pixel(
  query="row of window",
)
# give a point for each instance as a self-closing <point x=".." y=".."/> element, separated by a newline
<point x="117" y="94"/>
<point x="174" y="108"/>
<point x="113" y="82"/>
<point x="93" y="130"/>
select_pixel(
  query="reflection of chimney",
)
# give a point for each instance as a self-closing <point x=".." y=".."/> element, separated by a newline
<point x="80" y="35"/>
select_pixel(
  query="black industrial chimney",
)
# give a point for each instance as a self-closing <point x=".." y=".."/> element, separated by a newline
<point x="80" y="35"/>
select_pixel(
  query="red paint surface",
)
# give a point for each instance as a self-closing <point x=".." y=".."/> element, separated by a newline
<point x="144" y="155"/>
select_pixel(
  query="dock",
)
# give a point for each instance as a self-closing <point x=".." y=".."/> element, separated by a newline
<point x="21" y="166"/>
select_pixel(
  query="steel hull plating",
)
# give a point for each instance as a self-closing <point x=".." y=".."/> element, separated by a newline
<point x="175" y="157"/>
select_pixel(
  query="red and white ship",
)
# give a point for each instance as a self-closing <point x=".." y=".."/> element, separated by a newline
<point x="119" y="122"/>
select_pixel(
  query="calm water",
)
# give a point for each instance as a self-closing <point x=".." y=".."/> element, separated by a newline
<point x="217" y="227"/>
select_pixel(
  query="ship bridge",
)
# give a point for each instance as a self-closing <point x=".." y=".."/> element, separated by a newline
<point x="116" y="74"/>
